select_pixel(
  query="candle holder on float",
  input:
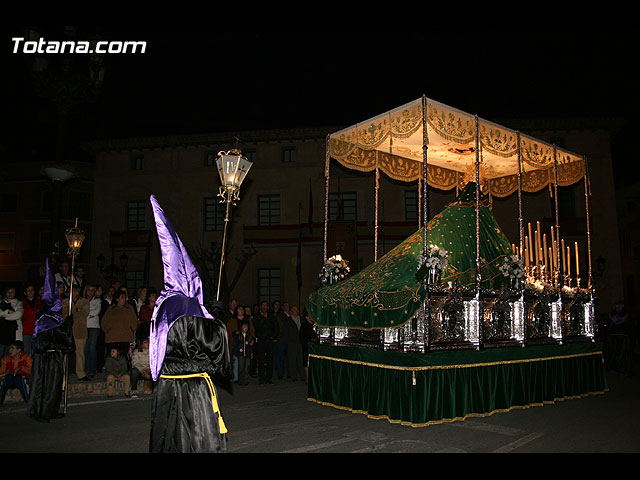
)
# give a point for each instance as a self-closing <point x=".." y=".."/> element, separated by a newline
<point x="75" y="238"/>
<point x="233" y="168"/>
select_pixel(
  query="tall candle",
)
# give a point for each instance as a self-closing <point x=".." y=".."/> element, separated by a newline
<point x="526" y="255"/>
<point x="568" y="260"/>
<point x="537" y="247"/>
<point x="564" y="258"/>
<point x="577" y="262"/>
<point x="546" y="258"/>
<point x="551" y="269"/>
<point x="530" y="242"/>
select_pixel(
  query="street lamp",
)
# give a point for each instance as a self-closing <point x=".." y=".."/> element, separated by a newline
<point x="75" y="239"/>
<point x="233" y="168"/>
<point x="58" y="174"/>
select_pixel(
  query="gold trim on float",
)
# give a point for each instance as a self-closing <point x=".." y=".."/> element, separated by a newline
<point x="457" y="419"/>
<point x="447" y="367"/>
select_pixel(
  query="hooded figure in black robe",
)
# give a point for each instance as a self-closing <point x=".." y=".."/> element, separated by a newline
<point x="188" y="356"/>
<point x="53" y="339"/>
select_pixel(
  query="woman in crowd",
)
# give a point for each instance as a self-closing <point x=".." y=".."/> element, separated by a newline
<point x="30" y="305"/>
<point x="248" y="318"/>
<point x="93" y="330"/>
<point x="140" y="299"/>
<point x="233" y="328"/>
<point x="101" y="353"/>
<point x="146" y="311"/>
<point x="119" y="323"/>
<point x="108" y="295"/>
<point x="10" y="320"/>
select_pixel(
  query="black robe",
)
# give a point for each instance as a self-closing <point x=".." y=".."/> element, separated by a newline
<point x="183" y="419"/>
<point x="47" y="370"/>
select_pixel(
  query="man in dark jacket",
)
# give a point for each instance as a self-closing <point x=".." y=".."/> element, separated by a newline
<point x="266" y="331"/>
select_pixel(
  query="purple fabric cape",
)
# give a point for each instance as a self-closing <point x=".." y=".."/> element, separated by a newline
<point x="49" y="314"/>
<point x="182" y="291"/>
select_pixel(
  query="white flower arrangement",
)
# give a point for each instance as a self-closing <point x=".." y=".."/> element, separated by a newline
<point x="434" y="264"/>
<point x="335" y="269"/>
<point x="512" y="269"/>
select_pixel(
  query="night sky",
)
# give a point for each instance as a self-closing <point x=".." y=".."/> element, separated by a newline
<point x="197" y="79"/>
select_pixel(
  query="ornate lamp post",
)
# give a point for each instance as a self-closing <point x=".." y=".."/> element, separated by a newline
<point x="233" y="168"/>
<point x="59" y="175"/>
<point x="75" y="239"/>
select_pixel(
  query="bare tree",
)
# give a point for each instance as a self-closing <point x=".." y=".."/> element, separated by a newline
<point x="207" y="261"/>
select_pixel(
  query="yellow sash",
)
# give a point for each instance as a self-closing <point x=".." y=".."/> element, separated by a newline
<point x="214" y="399"/>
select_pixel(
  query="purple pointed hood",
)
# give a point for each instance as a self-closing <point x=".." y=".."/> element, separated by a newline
<point x="49" y="315"/>
<point x="182" y="285"/>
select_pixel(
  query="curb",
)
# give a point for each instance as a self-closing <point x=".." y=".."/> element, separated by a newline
<point x="80" y="389"/>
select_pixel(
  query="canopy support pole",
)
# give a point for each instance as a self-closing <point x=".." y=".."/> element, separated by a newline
<point x="478" y="276"/>
<point x="425" y="186"/>
<point x="556" y="279"/>
<point x="419" y="202"/>
<point x="519" y="318"/>
<point x="520" y="219"/>
<point x="375" y="239"/>
<point x="326" y="198"/>
<point x="426" y="320"/>
<point x="587" y="193"/>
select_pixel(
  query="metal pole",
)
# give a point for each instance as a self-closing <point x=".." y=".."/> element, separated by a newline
<point x="326" y="198"/>
<point x="227" y="216"/>
<point x="478" y="276"/>
<point x="65" y="383"/>
<point x="425" y="186"/>
<point x="426" y="317"/>
<point x="375" y="240"/>
<point x="587" y="193"/>
<point x="521" y="329"/>
<point x="419" y="202"/>
<point x="555" y="194"/>
<point x="520" y="219"/>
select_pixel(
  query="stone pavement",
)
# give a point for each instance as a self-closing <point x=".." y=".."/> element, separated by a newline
<point x="280" y="418"/>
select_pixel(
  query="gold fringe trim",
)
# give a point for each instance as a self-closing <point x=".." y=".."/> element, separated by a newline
<point x="457" y="419"/>
<point x="448" y="367"/>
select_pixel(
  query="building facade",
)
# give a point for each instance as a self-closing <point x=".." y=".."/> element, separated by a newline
<point x="629" y="224"/>
<point x="28" y="200"/>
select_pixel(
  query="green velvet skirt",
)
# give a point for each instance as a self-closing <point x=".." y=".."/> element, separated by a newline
<point x="422" y="389"/>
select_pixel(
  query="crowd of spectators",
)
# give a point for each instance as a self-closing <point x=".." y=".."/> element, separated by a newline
<point x="269" y="339"/>
<point x="103" y="321"/>
<point x="111" y="334"/>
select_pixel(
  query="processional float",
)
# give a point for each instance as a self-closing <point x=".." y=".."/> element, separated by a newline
<point x="528" y="293"/>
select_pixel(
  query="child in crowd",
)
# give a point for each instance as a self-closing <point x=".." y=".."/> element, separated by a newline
<point x="15" y="370"/>
<point x="140" y="369"/>
<point x="117" y="368"/>
<point x="242" y="350"/>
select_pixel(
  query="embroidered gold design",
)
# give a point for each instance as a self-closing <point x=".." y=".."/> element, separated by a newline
<point x="451" y="125"/>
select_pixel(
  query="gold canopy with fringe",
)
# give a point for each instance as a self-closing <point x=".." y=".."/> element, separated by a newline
<point x="393" y="143"/>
